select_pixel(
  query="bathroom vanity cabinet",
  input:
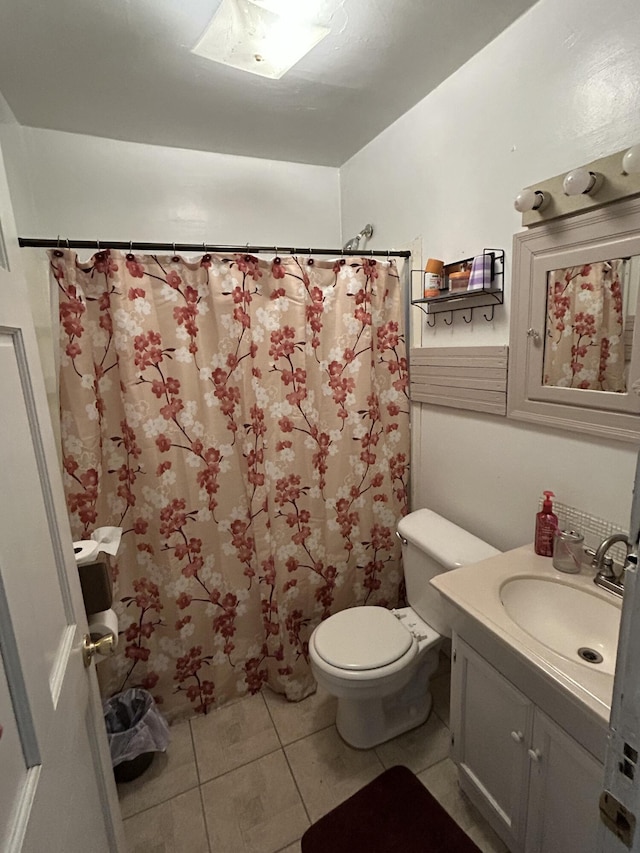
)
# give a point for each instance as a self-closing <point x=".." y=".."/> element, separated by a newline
<point x="537" y="786"/>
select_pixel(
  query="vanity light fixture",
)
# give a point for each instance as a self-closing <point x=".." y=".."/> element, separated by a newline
<point x="631" y="161"/>
<point x="580" y="182"/>
<point x="530" y="200"/>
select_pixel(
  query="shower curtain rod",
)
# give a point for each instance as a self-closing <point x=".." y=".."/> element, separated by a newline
<point x="33" y="242"/>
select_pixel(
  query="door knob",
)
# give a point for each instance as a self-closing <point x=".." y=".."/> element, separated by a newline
<point x="103" y="646"/>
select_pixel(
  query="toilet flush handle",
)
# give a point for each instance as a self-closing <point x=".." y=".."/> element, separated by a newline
<point x="402" y="539"/>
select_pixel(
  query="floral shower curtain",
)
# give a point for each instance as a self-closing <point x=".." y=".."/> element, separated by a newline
<point x="246" y="423"/>
<point x="584" y="346"/>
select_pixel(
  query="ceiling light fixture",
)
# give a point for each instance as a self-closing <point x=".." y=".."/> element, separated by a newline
<point x="581" y="182"/>
<point x="530" y="200"/>
<point x="299" y="10"/>
<point x="254" y="37"/>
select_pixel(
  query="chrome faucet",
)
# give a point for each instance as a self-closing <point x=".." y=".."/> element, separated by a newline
<point x="605" y="575"/>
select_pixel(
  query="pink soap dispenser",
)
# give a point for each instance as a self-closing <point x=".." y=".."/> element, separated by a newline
<point x="546" y="525"/>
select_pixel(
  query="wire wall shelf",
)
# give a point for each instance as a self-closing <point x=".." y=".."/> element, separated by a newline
<point x="448" y="301"/>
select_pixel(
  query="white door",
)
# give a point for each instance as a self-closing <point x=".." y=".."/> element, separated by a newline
<point x="56" y="788"/>
<point x="621" y="796"/>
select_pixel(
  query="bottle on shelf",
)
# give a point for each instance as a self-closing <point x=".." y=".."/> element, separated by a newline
<point x="433" y="279"/>
<point x="546" y="526"/>
<point x="459" y="280"/>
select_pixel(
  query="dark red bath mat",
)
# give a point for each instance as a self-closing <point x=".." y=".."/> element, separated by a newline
<point x="393" y="814"/>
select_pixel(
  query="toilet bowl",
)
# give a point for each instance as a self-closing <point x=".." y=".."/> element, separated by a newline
<point x="378" y="662"/>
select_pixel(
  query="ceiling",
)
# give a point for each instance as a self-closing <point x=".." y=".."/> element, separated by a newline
<point x="123" y="69"/>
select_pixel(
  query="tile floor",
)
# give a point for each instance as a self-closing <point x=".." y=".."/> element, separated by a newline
<point x="251" y="777"/>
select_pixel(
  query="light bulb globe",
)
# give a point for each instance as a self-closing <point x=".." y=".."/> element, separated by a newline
<point x="529" y="199"/>
<point x="631" y="161"/>
<point x="578" y="182"/>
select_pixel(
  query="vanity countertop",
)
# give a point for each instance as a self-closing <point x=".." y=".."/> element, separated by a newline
<point x="475" y="591"/>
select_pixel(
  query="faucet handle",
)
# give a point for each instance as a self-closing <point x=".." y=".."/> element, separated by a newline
<point x="606" y="568"/>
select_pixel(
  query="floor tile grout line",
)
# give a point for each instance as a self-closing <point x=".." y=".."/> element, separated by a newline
<point x="159" y="803"/>
<point x="295" y="782"/>
<point x="204" y="818"/>
<point x="273" y="722"/>
<point x="295" y="740"/>
<point x="308" y="734"/>
<point x="200" y="794"/>
<point x="239" y="766"/>
<point x="195" y="754"/>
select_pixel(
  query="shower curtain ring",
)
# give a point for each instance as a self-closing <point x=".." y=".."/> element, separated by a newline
<point x="98" y="245"/>
<point x="130" y="246"/>
<point x="58" y="242"/>
<point x="174" y="249"/>
<point x="67" y="242"/>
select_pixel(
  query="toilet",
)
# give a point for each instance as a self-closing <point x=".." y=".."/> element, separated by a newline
<point x="378" y="662"/>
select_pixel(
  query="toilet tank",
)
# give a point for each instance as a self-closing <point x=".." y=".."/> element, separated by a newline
<point x="435" y="545"/>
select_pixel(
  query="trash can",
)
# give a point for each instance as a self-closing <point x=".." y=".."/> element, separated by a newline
<point x="136" y="730"/>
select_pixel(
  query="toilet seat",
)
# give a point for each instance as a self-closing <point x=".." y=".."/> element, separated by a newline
<point x="361" y="639"/>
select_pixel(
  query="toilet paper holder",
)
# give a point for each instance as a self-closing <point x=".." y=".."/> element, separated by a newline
<point x="96" y="585"/>
<point x="105" y="646"/>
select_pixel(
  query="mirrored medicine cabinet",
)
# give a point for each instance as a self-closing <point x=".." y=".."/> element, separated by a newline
<point x="574" y="349"/>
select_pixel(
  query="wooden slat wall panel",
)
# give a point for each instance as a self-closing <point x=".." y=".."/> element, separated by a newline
<point x="473" y="378"/>
<point x="627" y="337"/>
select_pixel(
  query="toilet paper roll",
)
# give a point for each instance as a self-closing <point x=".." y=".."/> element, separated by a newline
<point x="102" y="624"/>
<point x="85" y="551"/>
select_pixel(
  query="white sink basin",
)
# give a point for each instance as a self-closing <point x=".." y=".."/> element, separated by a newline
<point x="572" y="621"/>
<point x="519" y="601"/>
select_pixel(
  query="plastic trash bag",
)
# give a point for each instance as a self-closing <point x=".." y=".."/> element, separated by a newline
<point x="134" y="725"/>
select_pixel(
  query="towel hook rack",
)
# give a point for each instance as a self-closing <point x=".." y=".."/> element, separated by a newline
<point x="486" y="291"/>
<point x="484" y="314"/>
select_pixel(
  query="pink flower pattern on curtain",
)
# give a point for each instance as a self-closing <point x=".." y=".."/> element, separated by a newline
<point x="246" y="423"/>
<point x="584" y="345"/>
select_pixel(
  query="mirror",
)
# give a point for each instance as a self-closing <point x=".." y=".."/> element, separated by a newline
<point x="574" y="359"/>
<point x="589" y="325"/>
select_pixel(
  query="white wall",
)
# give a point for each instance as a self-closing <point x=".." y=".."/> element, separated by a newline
<point x="89" y="188"/>
<point x="559" y="88"/>
<point x="9" y="130"/>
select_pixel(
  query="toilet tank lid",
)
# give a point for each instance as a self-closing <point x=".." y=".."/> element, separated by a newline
<point x="442" y="540"/>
